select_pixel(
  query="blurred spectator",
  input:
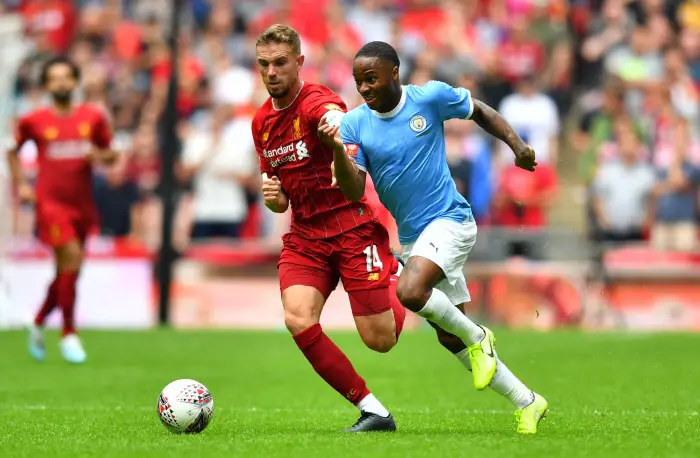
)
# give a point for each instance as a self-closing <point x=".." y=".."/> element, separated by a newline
<point x="622" y="191"/>
<point x="523" y="198"/>
<point x="675" y="197"/>
<point x="53" y="18"/>
<point x="595" y="128"/>
<point x="221" y="161"/>
<point x="520" y="56"/>
<point x="606" y="33"/>
<point x="535" y="118"/>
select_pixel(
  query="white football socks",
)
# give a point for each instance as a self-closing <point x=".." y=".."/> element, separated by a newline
<point x="504" y="382"/>
<point x="371" y="404"/>
<point x="440" y="310"/>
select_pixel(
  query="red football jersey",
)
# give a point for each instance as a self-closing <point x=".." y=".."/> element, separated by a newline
<point x="288" y="147"/>
<point x="63" y="143"/>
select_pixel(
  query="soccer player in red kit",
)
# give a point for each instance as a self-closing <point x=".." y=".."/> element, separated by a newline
<point x="69" y="139"/>
<point x="330" y="238"/>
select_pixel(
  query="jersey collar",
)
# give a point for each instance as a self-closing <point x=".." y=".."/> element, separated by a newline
<point x="397" y="108"/>
<point x="290" y="103"/>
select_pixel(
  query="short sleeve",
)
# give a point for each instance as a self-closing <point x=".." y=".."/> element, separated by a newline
<point x="102" y="133"/>
<point x="452" y="102"/>
<point x="257" y="141"/>
<point x="320" y="103"/>
<point x="23" y="132"/>
<point x="351" y="139"/>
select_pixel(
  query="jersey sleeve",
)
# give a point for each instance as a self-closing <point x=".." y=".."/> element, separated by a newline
<point x="452" y="102"/>
<point x="321" y="103"/>
<point x="102" y="133"/>
<point x="351" y="139"/>
<point x="23" y="132"/>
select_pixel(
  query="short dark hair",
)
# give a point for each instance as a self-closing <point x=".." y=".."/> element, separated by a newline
<point x="381" y="50"/>
<point x="58" y="60"/>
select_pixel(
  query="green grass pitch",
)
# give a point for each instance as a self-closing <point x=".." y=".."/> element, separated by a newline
<point x="631" y="395"/>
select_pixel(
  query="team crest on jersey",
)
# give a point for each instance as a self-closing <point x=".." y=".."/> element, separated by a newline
<point x="265" y="136"/>
<point x="297" y="128"/>
<point x="84" y="129"/>
<point x="332" y="106"/>
<point x="55" y="232"/>
<point x="51" y="133"/>
<point x="418" y="123"/>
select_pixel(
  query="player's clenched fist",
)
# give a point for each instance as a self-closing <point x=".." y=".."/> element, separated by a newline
<point x="525" y="158"/>
<point x="275" y="198"/>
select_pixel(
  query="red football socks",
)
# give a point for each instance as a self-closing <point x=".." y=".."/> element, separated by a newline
<point x="66" y="299"/>
<point x="396" y="306"/>
<point x="49" y="304"/>
<point x="331" y="363"/>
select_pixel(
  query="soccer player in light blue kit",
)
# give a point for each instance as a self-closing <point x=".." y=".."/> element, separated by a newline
<point x="398" y="138"/>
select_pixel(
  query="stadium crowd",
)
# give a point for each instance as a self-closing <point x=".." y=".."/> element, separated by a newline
<point x="626" y="72"/>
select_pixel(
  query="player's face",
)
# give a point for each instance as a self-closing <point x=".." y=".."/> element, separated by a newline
<point x="279" y="66"/>
<point x="61" y="82"/>
<point x="377" y="81"/>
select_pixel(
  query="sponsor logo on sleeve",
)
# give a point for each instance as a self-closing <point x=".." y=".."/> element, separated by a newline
<point x="351" y="149"/>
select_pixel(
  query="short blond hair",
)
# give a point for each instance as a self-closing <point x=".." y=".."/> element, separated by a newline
<point x="280" y="34"/>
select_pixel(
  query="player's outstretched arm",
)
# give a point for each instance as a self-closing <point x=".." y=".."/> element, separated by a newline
<point x="492" y="122"/>
<point x="346" y="175"/>
<point x="24" y="190"/>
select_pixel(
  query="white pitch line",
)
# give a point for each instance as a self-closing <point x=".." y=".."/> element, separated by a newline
<point x="266" y="410"/>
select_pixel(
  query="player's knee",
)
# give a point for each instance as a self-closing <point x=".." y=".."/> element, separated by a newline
<point x="70" y="257"/>
<point x="411" y="295"/>
<point x="381" y="343"/>
<point x="297" y="322"/>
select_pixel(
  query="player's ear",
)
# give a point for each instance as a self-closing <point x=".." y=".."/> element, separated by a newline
<point x="395" y="73"/>
<point x="300" y="61"/>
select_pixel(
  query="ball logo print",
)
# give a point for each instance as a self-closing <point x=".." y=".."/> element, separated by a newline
<point x="418" y="123"/>
<point x="185" y="406"/>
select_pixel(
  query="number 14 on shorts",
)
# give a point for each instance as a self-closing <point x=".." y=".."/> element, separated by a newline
<point x="372" y="258"/>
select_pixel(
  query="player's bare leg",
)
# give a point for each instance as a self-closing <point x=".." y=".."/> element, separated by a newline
<point x="302" y="312"/>
<point x="378" y="332"/>
<point x="69" y="260"/>
<point x="416" y="291"/>
<point x="37" y="346"/>
<point x="504" y="382"/>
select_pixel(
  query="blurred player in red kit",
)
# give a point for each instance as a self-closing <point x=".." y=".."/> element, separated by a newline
<point x="331" y="238"/>
<point x="69" y="139"/>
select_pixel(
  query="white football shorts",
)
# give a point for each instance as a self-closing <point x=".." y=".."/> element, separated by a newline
<point x="447" y="244"/>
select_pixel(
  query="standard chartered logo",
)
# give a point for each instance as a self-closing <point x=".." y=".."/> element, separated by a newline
<point x="302" y="152"/>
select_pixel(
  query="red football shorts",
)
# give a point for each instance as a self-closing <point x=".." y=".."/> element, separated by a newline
<point x="361" y="258"/>
<point x="57" y="225"/>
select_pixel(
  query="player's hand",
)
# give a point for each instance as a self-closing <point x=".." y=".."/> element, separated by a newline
<point x="272" y="189"/>
<point x="25" y="193"/>
<point x="329" y="135"/>
<point x="525" y="158"/>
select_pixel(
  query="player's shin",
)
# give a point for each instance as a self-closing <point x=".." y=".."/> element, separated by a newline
<point x="49" y="304"/>
<point x="66" y="292"/>
<point x="440" y="310"/>
<point x="336" y="369"/>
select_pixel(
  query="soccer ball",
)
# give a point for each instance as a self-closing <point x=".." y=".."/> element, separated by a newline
<point x="185" y="406"/>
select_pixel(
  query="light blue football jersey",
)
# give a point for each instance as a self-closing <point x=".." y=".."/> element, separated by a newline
<point x="404" y="153"/>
